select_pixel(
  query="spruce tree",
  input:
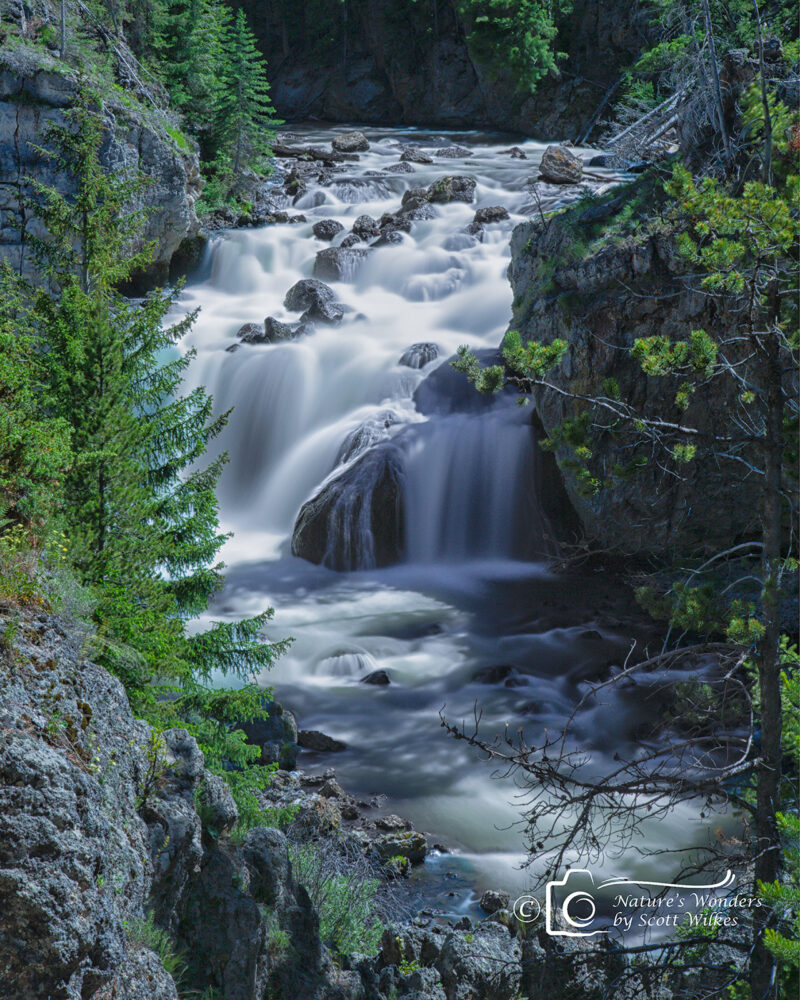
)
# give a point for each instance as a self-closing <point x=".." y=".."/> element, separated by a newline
<point x="142" y="515"/>
<point x="245" y="118"/>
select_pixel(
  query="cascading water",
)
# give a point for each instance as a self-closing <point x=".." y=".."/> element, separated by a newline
<point x="467" y="592"/>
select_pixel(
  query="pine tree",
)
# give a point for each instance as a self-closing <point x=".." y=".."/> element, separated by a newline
<point x="34" y="448"/>
<point x="187" y="41"/>
<point x="142" y="517"/>
<point x="245" y="118"/>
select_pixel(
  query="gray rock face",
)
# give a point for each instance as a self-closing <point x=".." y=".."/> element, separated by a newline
<point x="326" y="229"/>
<point x="600" y="305"/>
<point x="276" y="736"/>
<point x="351" y="142"/>
<point x="488" y="966"/>
<point x="219" y="812"/>
<point x="419" y="355"/>
<point x="399" y="168"/>
<point x="453" y="188"/>
<point x="412" y="154"/>
<point x="31" y="99"/>
<point x="74" y="861"/>
<point x="560" y="166"/>
<point x="339" y="263"/>
<point x="357" y="519"/>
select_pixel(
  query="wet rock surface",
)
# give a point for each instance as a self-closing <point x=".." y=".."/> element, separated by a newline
<point x="357" y="518"/>
<point x="560" y="166"/>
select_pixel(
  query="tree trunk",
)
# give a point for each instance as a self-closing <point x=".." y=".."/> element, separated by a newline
<point x="767" y="845"/>
<point x="62" y="51"/>
<point x="715" y="77"/>
<point x="764" y="101"/>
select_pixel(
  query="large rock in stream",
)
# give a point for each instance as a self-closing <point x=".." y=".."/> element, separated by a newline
<point x="357" y="520"/>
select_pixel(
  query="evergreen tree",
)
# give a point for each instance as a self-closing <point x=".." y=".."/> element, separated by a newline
<point x="187" y="42"/>
<point x="244" y="119"/>
<point x="142" y="517"/>
<point x="34" y="449"/>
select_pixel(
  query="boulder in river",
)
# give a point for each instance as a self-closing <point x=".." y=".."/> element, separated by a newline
<point x="516" y="153"/>
<point x="419" y="355"/>
<point x="492" y="213"/>
<point x="357" y="519"/>
<point x="399" y="168"/>
<point x="365" y="226"/>
<point x="351" y="142"/>
<point x="339" y="263"/>
<point x="452" y="188"/>
<point x="453" y="152"/>
<point x="351" y="240"/>
<point x="312" y="739"/>
<point x="402" y="844"/>
<point x="316" y="298"/>
<point x="326" y="229"/>
<point x="251" y="333"/>
<point x="380" y="678"/>
<point x="275" y="330"/>
<point x="560" y="166"/>
<point x="413" y="154"/>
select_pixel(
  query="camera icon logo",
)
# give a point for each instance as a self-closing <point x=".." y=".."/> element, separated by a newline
<point x="574" y="914"/>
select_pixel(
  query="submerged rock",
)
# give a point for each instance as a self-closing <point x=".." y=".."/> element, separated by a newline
<point x="327" y="229"/>
<point x="399" y="168"/>
<point x="275" y="330"/>
<point x="560" y="166"/>
<point x="339" y="263"/>
<point x="351" y="142"/>
<point x="357" y="519"/>
<point x="452" y="188"/>
<point x="378" y="677"/>
<point x="419" y="355"/>
<point x="312" y="739"/>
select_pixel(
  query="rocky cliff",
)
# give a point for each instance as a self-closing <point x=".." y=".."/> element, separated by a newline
<point x="395" y="70"/>
<point x="600" y="276"/>
<point x="34" y="91"/>
<point x="119" y="878"/>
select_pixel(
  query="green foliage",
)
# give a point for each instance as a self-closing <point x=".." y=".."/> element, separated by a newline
<point x="345" y="900"/>
<point x="244" y="118"/>
<point x="144" y="933"/>
<point x="515" y="35"/>
<point x="784" y="895"/>
<point x="34" y="447"/>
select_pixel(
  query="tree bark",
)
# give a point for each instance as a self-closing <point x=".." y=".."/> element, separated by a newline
<point x="63" y="47"/>
<point x="712" y="47"/>
<point x="767" y="844"/>
<point x="764" y="101"/>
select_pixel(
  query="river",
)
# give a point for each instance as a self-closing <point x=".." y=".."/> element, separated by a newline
<point x="474" y="590"/>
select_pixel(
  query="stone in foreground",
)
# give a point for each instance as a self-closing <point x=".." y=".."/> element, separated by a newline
<point x="560" y="166"/>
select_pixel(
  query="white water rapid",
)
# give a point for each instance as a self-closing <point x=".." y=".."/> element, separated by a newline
<point x="472" y="591"/>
